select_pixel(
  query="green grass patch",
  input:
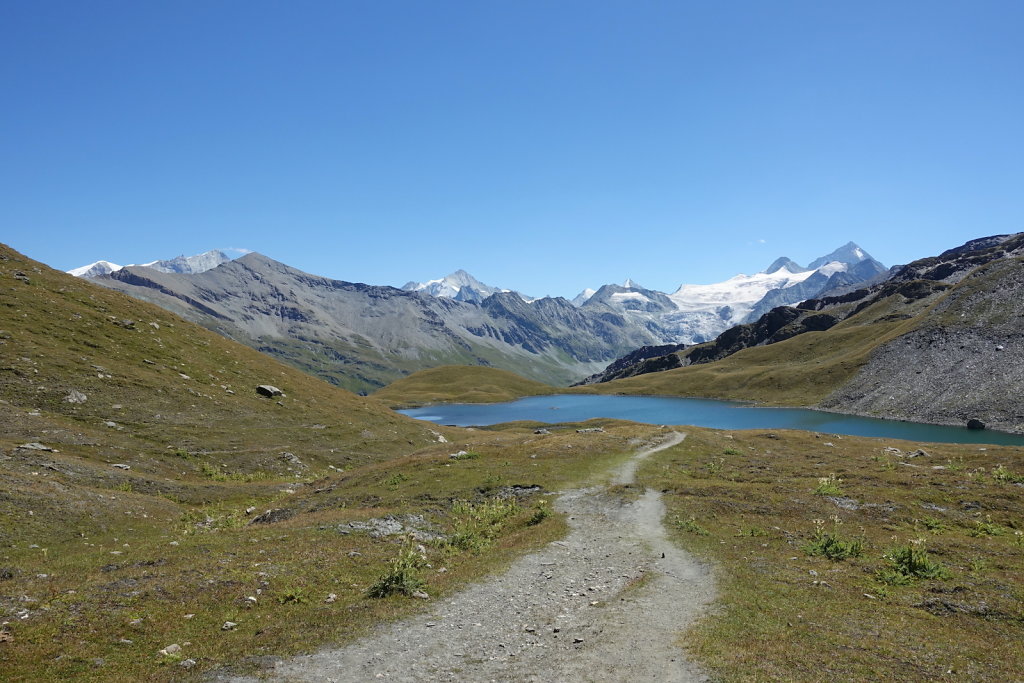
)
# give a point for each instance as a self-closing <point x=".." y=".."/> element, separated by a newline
<point x="831" y="544"/>
<point x="829" y="486"/>
<point x="801" y="588"/>
<point x="461" y="384"/>
<point x="909" y="562"/>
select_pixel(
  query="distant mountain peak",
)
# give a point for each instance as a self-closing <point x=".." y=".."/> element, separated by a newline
<point x="188" y="265"/>
<point x="850" y="253"/>
<point x="632" y="284"/>
<point x="583" y="297"/>
<point x="786" y="263"/>
<point x="459" y="285"/>
<point x="95" y="269"/>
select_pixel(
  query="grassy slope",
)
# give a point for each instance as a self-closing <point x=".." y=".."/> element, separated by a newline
<point x="461" y="384"/>
<point x="747" y="501"/>
<point x="93" y="556"/>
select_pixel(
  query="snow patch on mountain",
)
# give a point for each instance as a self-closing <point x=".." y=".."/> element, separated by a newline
<point x="695" y="313"/>
<point x="460" y="286"/>
<point x="189" y="265"/>
<point x="583" y="297"/>
<point x="95" y="269"/>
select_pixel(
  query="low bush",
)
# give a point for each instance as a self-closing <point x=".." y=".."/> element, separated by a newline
<point x="830" y="544"/>
<point x="402" y="577"/>
<point x="908" y="563"/>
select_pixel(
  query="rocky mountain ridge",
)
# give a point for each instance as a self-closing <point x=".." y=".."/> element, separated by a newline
<point x="198" y="263"/>
<point x="697" y="313"/>
<point x="363" y="336"/>
<point x="459" y="285"/>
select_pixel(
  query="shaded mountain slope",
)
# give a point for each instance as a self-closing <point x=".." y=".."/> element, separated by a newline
<point x="362" y="336"/>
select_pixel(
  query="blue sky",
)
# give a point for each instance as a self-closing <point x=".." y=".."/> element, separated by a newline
<point x="542" y="145"/>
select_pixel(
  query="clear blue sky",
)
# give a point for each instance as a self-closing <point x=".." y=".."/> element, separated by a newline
<point x="542" y="145"/>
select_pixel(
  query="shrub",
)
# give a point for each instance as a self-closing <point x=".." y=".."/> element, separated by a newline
<point x="1005" y="476"/>
<point x="829" y="486"/>
<point x="830" y="544"/>
<point x="394" y="480"/>
<point x="910" y="562"/>
<point x="691" y="526"/>
<point x="293" y="595"/>
<point x="402" y="576"/>
<point x="933" y="524"/>
<point x="988" y="528"/>
<point x="478" y="524"/>
<point x="540" y="512"/>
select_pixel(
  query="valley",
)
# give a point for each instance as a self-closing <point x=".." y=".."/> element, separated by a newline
<point x="164" y="518"/>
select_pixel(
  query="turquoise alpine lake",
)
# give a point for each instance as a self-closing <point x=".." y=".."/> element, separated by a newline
<point x="700" y="413"/>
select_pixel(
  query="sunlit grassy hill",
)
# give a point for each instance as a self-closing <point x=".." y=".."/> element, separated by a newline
<point x="149" y="494"/>
<point x="461" y="384"/>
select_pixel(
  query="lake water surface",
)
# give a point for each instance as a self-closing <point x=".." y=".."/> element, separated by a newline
<point x="698" y="412"/>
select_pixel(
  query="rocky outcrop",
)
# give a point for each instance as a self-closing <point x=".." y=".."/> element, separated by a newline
<point x="963" y="363"/>
<point x="640" y="362"/>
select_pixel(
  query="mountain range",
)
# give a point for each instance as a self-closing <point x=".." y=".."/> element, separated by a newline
<point x="199" y="263"/>
<point x="938" y="340"/>
<point x="363" y="336"/>
<point x="697" y="313"/>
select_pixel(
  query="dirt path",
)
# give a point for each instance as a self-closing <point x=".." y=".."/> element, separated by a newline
<point x="573" y="611"/>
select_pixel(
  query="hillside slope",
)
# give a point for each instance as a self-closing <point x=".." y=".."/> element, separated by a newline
<point x="460" y="384"/>
<point x="162" y="381"/>
<point x="150" y="496"/>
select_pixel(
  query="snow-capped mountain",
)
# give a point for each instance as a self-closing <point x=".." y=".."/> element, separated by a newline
<point x="459" y="285"/>
<point x="696" y="313"/>
<point x="188" y="265"/>
<point x="95" y="269"/>
<point x="583" y="297"/>
<point x="849" y="253"/>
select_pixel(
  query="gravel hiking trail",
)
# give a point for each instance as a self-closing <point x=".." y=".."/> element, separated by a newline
<point x="606" y="603"/>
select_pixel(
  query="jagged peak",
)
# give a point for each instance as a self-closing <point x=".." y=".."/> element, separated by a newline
<point x="850" y="253"/>
<point x="784" y="262"/>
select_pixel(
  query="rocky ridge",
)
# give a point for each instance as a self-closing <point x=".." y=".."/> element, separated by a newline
<point x="363" y="336"/>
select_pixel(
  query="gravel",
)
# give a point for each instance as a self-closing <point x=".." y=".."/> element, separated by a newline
<point x="573" y="611"/>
